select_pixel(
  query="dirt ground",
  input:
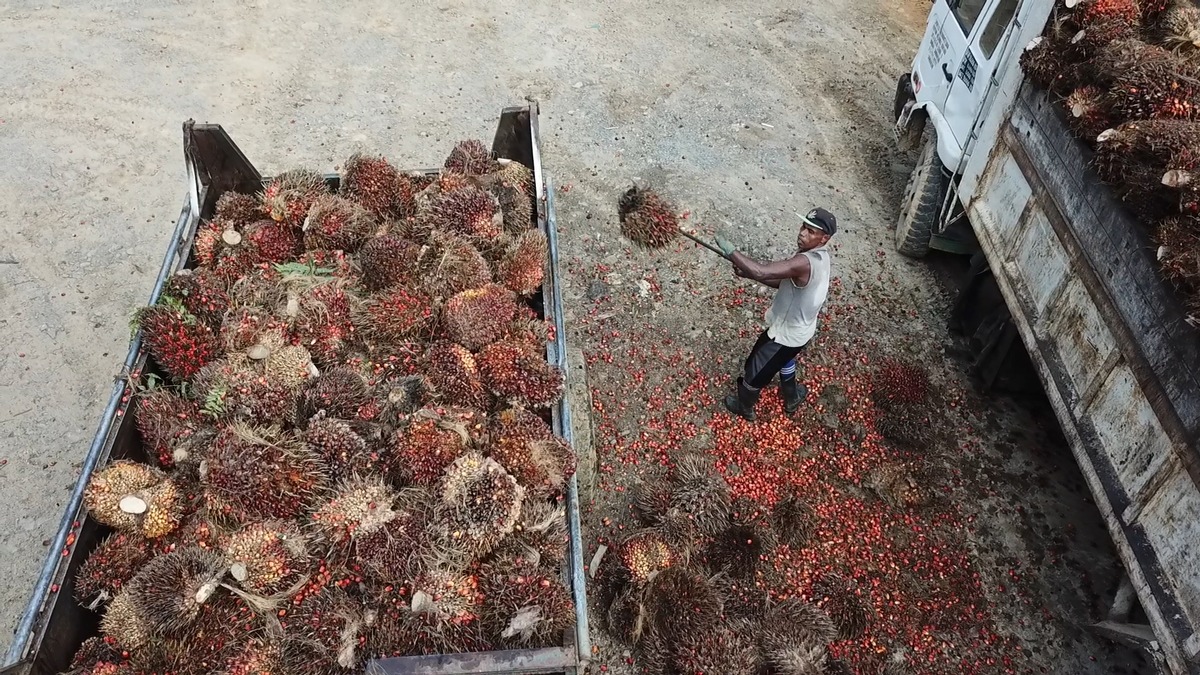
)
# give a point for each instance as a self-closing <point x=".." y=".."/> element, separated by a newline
<point x="744" y="113"/>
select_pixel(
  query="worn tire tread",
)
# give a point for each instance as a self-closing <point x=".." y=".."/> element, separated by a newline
<point x="922" y="201"/>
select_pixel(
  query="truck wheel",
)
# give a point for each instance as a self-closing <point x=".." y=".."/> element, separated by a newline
<point x="922" y="201"/>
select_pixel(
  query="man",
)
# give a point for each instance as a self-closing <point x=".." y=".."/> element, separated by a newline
<point x="803" y="283"/>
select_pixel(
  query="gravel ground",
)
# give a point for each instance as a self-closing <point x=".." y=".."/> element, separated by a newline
<point x="743" y="113"/>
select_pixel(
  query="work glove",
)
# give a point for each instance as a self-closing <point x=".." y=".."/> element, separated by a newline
<point x="726" y="246"/>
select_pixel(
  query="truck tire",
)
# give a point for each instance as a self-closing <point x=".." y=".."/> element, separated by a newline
<point x="922" y="201"/>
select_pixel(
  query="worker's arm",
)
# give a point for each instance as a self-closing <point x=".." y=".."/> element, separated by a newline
<point x="773" y="283"/>
<point x="798" y="268"/>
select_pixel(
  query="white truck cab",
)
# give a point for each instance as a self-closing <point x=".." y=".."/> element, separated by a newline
<point x="939" y="104"/>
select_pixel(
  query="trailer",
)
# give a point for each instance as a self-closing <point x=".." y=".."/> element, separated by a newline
<point x="54" y="625"/>
<point x="1000" y="176"/>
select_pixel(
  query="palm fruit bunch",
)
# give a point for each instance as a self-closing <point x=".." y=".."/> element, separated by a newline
<point x="645" y="553"/>
<point x="1146" y="157"/>
<point x="793" y="521"/>
<point x="1178" y="241"/>
<point x="647" y="219"/>
<point x="838" y="598"/>
<point x="794" y="631"/>
<point x="698" y="491"/>
<point x="1090" y="114"/>
<point x="746" y="545"/>
<point x="723" y="650"/>
<point x="896" y="485"/>
<point x="1102" y="21"/>
<point x="679" y="602"/>
<point x="1158" y="85"/>
<point x="1176" y="26"/>
<point x="903" y="397"/>
<point x="1050" y="60"/>
<point x="329" y="475"/>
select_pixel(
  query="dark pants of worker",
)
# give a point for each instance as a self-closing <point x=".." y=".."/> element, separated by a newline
<point x="768" y="359"/>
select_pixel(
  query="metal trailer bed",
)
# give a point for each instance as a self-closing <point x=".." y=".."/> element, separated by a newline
<point x="53" y="624"/>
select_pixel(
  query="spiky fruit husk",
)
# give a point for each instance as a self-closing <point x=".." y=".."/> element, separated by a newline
<point x="523" y="267"/>
<point x="470" y="157"/>
<point x="679" y="601"/>
<point x="98" y="655"/>
<point x="110" y="566"/>
<point x="1177" y="27"/>
<point x="699" y="491"/>
<point x="164" y="597"/>
<point x="358" y="508"/>
<point x="805" y="658"/>
<point x="289" y="196"/>
<point x="1158" y="85"/>
<point x="480" y="316"/>
<point x="644" y="553"/>
<point x="165" y="419"/>
<point x="254" y="473"/>
<point x="451" y="265"/>
<point x="471" y="212"/>
<point x="1048" y="64"/>
<point x="1137" y="154"/>
<point x="794" y="521"/>
<point x="1179" y="252"/>
<point x="336" y="223"/>
<point x="387" y="260"/>
<point x="267" y="557"/>
<point x="396" y="315"/>
<point x="1118" y="57"/>
<point x="516" y="206"/>
<point x="256" y="657"/>
<point x="838" y="597"/>
<point x="540" y="535"/>
<point x="180" y="343"/>
<point x="646" y="218"/>
<point x="792" y="623"/>
<point x="272" y="242"/>
<point x="527" y="448"/>
<point x="374" y="183"/>
<point x="399" y="631"/>
<point x="239" y="209"/>
<point x="323" y="322"/>
<point x="482" y="500"/>
<point x="519" y="377"/>
<point x="524" y="608"/>
<point x="201" y="292"/>
<point x="717" y="651"/>
<point x="398" y="551"/>
<point x="900" y="383"/>
<point x="340" y="392"/>
<point x="222" y="626"/>
<point x="748" y="544"/>
<point x="514" y="174"/>
<point x="895" y="484"/>
<point x="343" y="450"/>
<point x="455" y="376"/>
<point x="328" y="627"/>
<point x="162" y="500"/>
<point x="1088" y="113"/>
<point x="432" y="440"/>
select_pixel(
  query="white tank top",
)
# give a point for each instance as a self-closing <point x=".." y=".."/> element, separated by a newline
<point x="792" y="317"/>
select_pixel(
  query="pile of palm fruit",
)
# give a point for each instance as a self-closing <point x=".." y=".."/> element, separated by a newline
<point x="1128" y="73"/>
<point x="347" y="452"/>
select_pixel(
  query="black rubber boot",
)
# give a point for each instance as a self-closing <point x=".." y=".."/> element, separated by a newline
<point x="743" y="403"/>
<point x="793" y="393"/>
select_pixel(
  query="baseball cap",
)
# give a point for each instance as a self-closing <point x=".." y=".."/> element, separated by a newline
<point x="822" y="220"/>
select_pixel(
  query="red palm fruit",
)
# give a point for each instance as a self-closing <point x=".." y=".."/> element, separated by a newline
<point x="202" y="292"/>
<point x="375" y="184"/>
<point x="526" y="447"/>
<point x="793" y="623"/>
<point x="839" y="598"/>
<point x="336" y="223"/>
<point x="433" y="439"/>
<point x="451" y="264"/>
<point x="470" y="157"/>
<point x="680" y="602"/>
<point x="1116" y="58"/>
<point x="717" y="651"/>
<point x="239" y="209"/>
<point x="477" y="317"/>
<point x="1089" y="115"/>
<point x="208" y="241"/>
<point x="180" y="343"/>
<point x="395" y="316"/>
<point x="343" y="450"/>
<point x="523" y="267"/>
<point x="325" y="631"/>
<point x="1153" y="9"/>
<point x="431" y="630"/>
<point x="222" y="626"/>
<point x="525" y="608"/>
<point x="107" y="568"/>
<point x="700" y="492"/>
<point x="645" y="553"/>
<point x="98" y="656"/>
<point x="324" y="323"/>
<point x="388" y="260"/>
<point x="1157" y="85"/>
<point x="482" y="502"/>
<point x="794" y="521"/>
<point x="357" y="509"/>
<point x="256" y="473"/>
<point x="1142" y="155"/>
<point x="515" y="375"/>
<point x="340" y="392"/>
<point x="271" y="242"/>
<point x="1178" y="240"/>
<point x="454" y="376"/>
<point x="164" y="597"/>
<point x="255" y="657"/>
<point x="164" y="419"/>
<point x="397" y="552"/>
<point x="468" y="211"/>
<point x="288" y="197"/>
<point x="540" y="536"/>
<point x="646" y="218"/>
<point x="135" y="498"/>
<point x="898" y="383"/>
<point x="268" y="557"/>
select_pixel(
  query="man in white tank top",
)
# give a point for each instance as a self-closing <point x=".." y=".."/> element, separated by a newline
<point x="803" y="283"/>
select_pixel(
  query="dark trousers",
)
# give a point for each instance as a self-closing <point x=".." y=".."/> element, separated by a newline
<point x="766" y="360"/>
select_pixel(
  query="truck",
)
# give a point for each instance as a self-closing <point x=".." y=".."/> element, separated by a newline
<point x="1071" y="276"/>
<point x="55" y="624"/>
